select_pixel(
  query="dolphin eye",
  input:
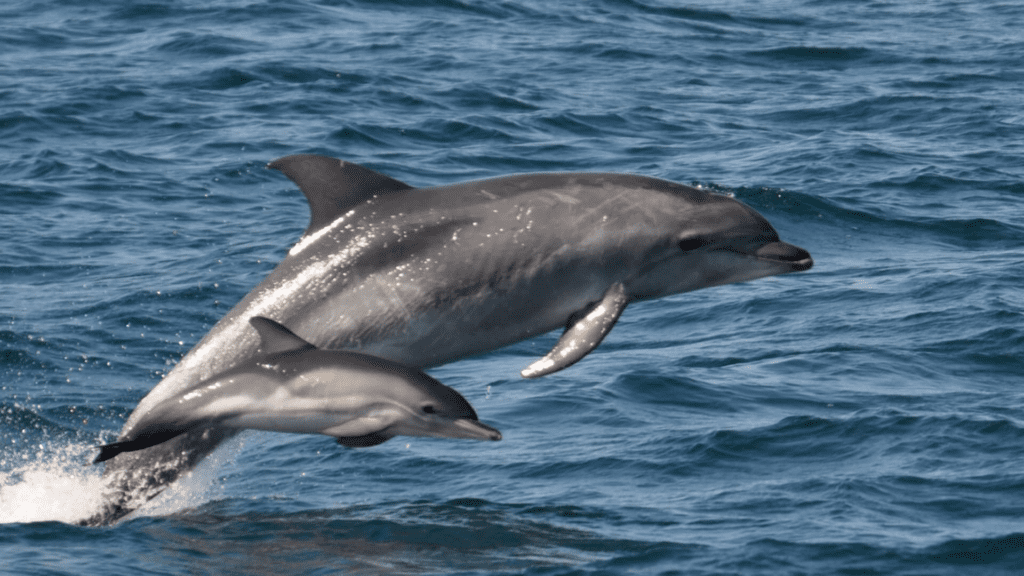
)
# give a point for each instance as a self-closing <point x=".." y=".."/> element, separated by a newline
<point x="688" y="244"/>
<point x="428" y="409"/>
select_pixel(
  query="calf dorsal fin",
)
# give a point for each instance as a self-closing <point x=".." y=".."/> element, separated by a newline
<point x="275" y="338"/>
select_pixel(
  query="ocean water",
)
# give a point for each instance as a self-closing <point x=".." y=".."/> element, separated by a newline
<point x="865" y="417"/>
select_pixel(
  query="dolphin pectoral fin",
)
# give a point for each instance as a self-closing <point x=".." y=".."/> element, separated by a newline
<point x="364" y="430"/>
<point x="583" y="334"/>
<point x="363" y="441"/>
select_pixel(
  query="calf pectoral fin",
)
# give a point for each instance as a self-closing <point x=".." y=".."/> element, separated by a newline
<point x="583" y="334"/>
<point x="363" y="431"/>
<point x="363" y="441"/>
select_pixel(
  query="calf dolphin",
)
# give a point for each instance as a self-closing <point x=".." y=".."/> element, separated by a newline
<point x="428" y="276"/>
<point x="293" y="386"/>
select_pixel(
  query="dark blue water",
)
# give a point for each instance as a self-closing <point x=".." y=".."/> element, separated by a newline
<point x="866" y="417"/>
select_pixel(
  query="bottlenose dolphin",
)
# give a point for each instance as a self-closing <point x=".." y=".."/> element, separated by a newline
<point x="293" y="386"/>
<point x="431" y="275"/>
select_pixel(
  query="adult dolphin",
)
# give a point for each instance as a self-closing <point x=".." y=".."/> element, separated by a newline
<point x="427" y="276"/>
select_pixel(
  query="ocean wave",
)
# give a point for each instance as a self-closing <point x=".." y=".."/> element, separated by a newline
<point x="830" y="55"/>
<point x="206" y="45"/>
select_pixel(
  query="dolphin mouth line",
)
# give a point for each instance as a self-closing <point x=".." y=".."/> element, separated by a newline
<point x="797" y="265"/>
<point x="476" y="430"/>
<point x="779" y="252"/>
<point x="805" y="264"/>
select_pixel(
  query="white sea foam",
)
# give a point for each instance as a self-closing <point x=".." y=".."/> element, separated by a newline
<point x="57" y="484"/>
<point x="200" y="485"/>
<point x="52" y="485"/>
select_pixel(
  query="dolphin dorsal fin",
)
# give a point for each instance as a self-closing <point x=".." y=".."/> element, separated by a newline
<point x="332" y="186"/>
<point x="275" y="338"/>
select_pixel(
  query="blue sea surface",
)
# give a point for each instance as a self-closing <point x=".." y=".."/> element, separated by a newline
<point x="865" y="417"/>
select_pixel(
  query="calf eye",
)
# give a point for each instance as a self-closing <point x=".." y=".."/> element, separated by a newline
<point x="428" y="409"/>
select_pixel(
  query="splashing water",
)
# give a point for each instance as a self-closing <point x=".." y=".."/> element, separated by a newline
<point x="51" y="486"/>
<point x="201" y="484"/>
<point x="56" y="484"/>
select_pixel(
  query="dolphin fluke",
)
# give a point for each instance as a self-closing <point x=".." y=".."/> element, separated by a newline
<point x="108" y="451"/>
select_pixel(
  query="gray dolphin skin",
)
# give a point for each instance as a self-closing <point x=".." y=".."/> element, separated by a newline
<point x="431" y="275"/>
<point x="293" y="386"/>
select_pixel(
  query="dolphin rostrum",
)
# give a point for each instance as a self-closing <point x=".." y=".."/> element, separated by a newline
<point x="431" y="275"/>
<point x="293" y="386"/>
